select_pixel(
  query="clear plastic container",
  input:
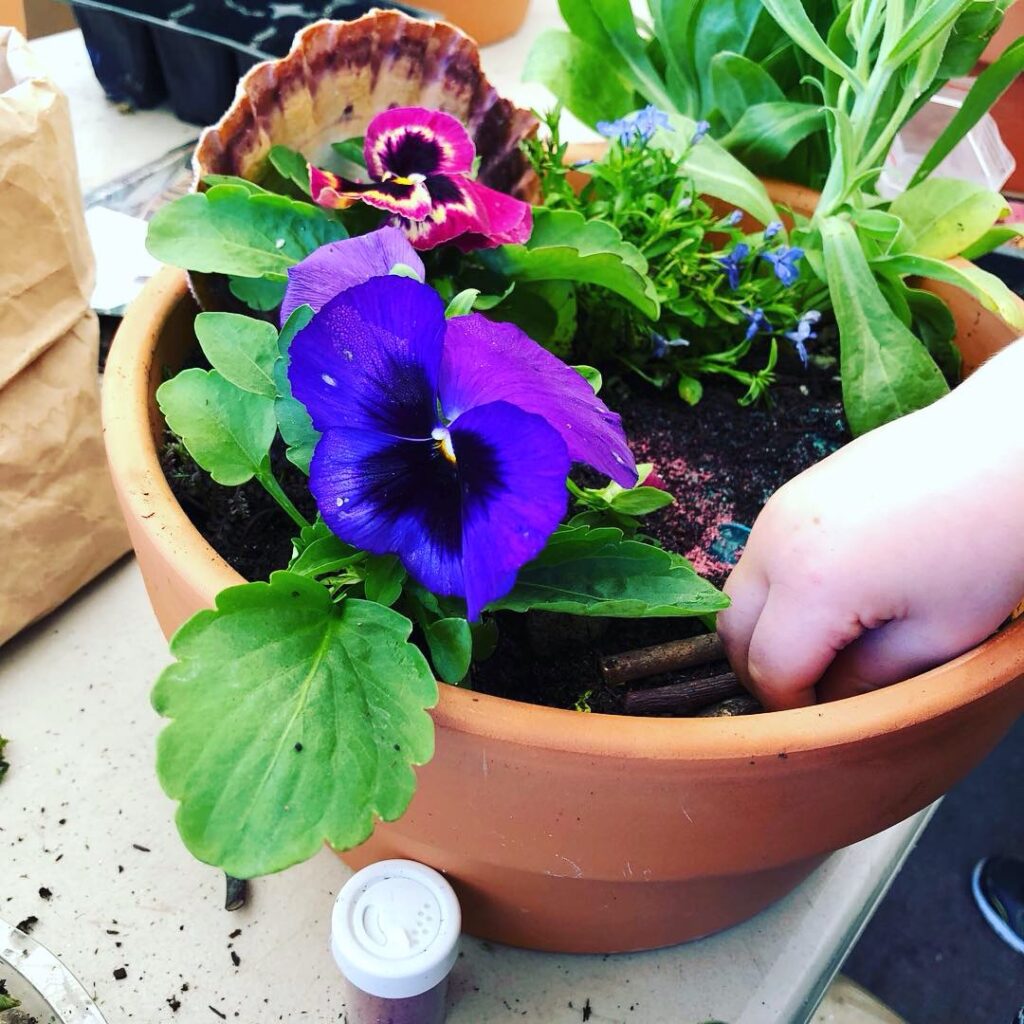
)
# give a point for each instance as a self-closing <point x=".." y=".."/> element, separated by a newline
<point x="47" y="990"/>
<point x="981" y="156"/>
<point x="395" y="937"/>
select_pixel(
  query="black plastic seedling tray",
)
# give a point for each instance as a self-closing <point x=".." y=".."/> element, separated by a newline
<point x="192" y="54"/>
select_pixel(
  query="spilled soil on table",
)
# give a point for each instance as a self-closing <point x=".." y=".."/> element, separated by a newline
<point x="720" y="460"/>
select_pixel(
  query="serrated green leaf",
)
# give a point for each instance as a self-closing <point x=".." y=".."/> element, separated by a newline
<point x="580" y="77"/>
<point x="257" y="292"/>
<point x="566" y="247"/>
<point x="295" y="721"/>
<point x="385" y="576"/>
<point x="231" y="230"/>
<point x="596" y="571"/>
<point x="322" y="552"/>
<point x="945" y="216"/>
<point x="886" y="372"/>
<point x="226" y="430"/>
<point x="240" y="349"/>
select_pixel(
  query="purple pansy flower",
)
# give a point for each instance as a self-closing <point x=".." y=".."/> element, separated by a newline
<point x="733" y="262"/>
<point x="756" y="322"/>
<point x="445" y="442"/>
<point x="803" y="333"/>
<point x="785" y="262"/>
<point x="420" y="162"/>
<point x="637" y="127"/>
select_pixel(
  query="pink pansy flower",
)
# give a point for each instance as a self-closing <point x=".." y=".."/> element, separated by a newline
<point x="420" y="162"/>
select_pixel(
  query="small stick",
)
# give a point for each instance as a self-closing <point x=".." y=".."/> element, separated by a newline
<point x="683" y="698"/>
<point x="732" y="708"/>
<point x="236" y="893"/>
<point x="652" y="661"/>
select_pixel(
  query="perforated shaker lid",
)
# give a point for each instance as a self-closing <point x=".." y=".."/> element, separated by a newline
<point x="395" y="929"/>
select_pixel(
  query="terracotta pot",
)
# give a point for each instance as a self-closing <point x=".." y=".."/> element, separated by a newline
<point x="592" y="832"/>
<point x="487" y="22"/>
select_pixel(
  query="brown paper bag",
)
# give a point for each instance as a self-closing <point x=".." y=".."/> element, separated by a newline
<point x="59" y="522"/>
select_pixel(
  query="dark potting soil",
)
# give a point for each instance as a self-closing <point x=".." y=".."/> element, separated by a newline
<point x="722" y="462"/>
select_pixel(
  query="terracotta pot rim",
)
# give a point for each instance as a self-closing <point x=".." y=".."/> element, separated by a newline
<point x="931" y="695"/>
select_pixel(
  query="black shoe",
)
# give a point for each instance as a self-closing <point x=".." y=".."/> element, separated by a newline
<point x="998" y="887"/>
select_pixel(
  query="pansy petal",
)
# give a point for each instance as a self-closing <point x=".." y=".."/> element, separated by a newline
<point x="399" y="196"/>
<point x="486" y="362"/>
<point x="470" y="215"/>
<point x="392" y="496"/>
<point x="461" y="528"/>
<point x="506" y="220"/>
<point x="512" y="467"/>
<point x="370" y="359"/>
<point x="337" y="266"/>
<point x="412" y="140"/>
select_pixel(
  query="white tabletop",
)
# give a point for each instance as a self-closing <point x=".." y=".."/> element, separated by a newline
<point x="81" y="799"/>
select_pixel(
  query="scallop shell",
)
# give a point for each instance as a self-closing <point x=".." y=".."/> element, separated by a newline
<point x="339" y="74"/>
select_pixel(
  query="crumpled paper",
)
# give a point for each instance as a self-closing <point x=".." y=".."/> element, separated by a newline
<point x="59" y="521"/>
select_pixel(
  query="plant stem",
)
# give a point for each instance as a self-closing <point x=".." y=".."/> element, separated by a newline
<point x="274" y="489"/>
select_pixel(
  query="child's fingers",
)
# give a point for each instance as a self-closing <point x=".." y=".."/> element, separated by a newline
<point x="747" y="590"/>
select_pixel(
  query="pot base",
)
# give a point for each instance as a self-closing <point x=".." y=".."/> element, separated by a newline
<point x="563" y="914"/>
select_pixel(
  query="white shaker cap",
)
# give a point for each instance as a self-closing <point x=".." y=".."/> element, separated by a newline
<point x="395" y="929"/>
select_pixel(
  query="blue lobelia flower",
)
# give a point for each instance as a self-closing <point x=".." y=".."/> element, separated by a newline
<point x="636" y="127"/>
<point x="660" y="345"/>
<point x="733" y="262"/>
<point x="734" y="218"/>
<point x="803" y="333"/>
<point x="701" y="129"/>
<point x="771" y="230"/>
<point x="785" y="262"/>
<point x="756" y="322"/>
<point x="445" y="442"/>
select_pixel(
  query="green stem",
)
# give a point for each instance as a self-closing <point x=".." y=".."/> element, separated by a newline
<point x="274" y="489"/>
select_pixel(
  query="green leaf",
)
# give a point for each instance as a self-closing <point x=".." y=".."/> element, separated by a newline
<point x="886" y="372"/>
<point x="566" y="247"/>
<point x="450" y="642"/>
<point x="462" y="303"/>
<point x="231" y="230"/>
<point x="293" y="420"/>
<point x="946" y="216"/>
<point x="993" y="239"/>
<point x="319" y="552"/>
<point x="768" y="132"/>
<point x="988" y="289"/>
<point x="258" y="293"/>
<point x="793" y="19"/>
<point x="641" y="501"/>
<point x="291" y="165"/>
<point x="987" y="88"/>
<point x="595" y="571"/>
<point x="689" y="389"/>
<point x="933" y="323"/>
<point x="232" y="179"/>
<point x="740" y="84"/>
<point x="226" y="430"/>
<point x="8" y="1002"/>
<point x="928" y="21"/>
<point x="545" y="311"/>
<point x="240" y="349"/>
<point x="385" y="576"/>
<point x="295" y="721"/>
<point x="616" y="17"/>
<point x="592" y="376"/>
<point x="580" y="77"/>
<point x="714" y="171"/>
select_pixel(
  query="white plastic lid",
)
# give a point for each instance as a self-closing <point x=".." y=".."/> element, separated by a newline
<point x="395" y="929"/>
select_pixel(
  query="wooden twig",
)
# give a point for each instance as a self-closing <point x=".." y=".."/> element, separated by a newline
<point x="732" y="707"/>
<point x="670" y="657"/>
<point x="683" y="698"/>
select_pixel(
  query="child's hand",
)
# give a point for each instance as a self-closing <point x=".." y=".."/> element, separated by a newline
<point x="897" y="553"/>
